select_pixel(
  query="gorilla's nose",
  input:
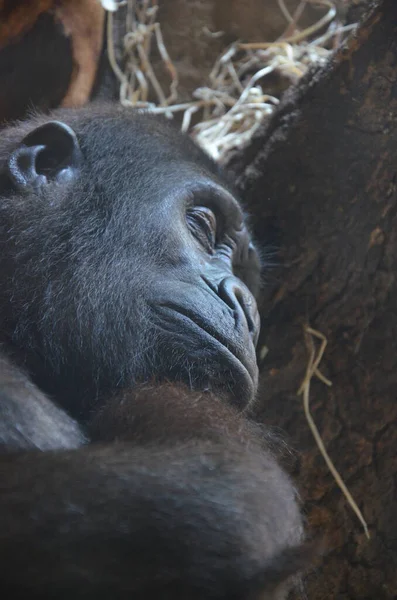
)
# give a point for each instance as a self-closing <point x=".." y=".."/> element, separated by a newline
<point x="236" y="295"/>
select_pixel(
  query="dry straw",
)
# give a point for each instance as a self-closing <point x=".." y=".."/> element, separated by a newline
<point x="312" y="370"/>
<point x="235" y="102"/>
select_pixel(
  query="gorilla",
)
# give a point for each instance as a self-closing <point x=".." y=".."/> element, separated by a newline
<point x="128" y="326"/>
<point x="123" y="256"/>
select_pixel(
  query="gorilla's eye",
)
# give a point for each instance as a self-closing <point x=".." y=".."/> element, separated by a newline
<point x="202" y="224"/>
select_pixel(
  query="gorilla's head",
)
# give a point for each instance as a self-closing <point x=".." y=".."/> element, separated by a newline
<point x="124" y="257"/>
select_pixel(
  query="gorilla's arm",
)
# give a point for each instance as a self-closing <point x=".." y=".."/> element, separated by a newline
<point x="28" y="419"/>
<point x="195" y="508"/>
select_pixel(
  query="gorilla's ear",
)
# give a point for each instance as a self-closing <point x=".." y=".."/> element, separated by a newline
<point x="47" y="154"/>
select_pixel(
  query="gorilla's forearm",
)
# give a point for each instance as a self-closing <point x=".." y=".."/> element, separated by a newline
<point x="194" y="519"/>
<point x="28" y="419"/>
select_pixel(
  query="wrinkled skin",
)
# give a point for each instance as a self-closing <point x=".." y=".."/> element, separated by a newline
<point x="113" y="273"/>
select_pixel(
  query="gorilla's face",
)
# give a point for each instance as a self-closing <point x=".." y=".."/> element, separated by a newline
<point x="124" y="258"/>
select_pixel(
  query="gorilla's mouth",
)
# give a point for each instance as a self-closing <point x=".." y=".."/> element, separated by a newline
<point x="239" y="363"/>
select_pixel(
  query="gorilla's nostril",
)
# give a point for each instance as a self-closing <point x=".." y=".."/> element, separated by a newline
<point x="236" y="295"/>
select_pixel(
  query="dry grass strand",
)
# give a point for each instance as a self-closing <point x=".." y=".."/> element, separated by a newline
<point x="312" y="370"/>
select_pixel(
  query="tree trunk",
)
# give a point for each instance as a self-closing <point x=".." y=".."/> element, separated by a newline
<point x="324" y="175"/>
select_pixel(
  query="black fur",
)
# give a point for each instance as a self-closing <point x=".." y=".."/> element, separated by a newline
<point x="29" y="420"/>
<point x="103" y="283"/>
<point x="184" y="500"/>
<point x="108" y="281"/>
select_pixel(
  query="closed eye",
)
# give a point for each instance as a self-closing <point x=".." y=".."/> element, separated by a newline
<point x="203" y="226"/>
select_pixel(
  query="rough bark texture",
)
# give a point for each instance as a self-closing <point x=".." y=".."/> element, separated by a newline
<point x="324" y="174"/>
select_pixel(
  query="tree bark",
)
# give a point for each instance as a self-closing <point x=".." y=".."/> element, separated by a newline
<point x="323" y="174"/>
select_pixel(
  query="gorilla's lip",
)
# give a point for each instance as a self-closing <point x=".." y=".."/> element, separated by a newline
<point x="250" y="370"/>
